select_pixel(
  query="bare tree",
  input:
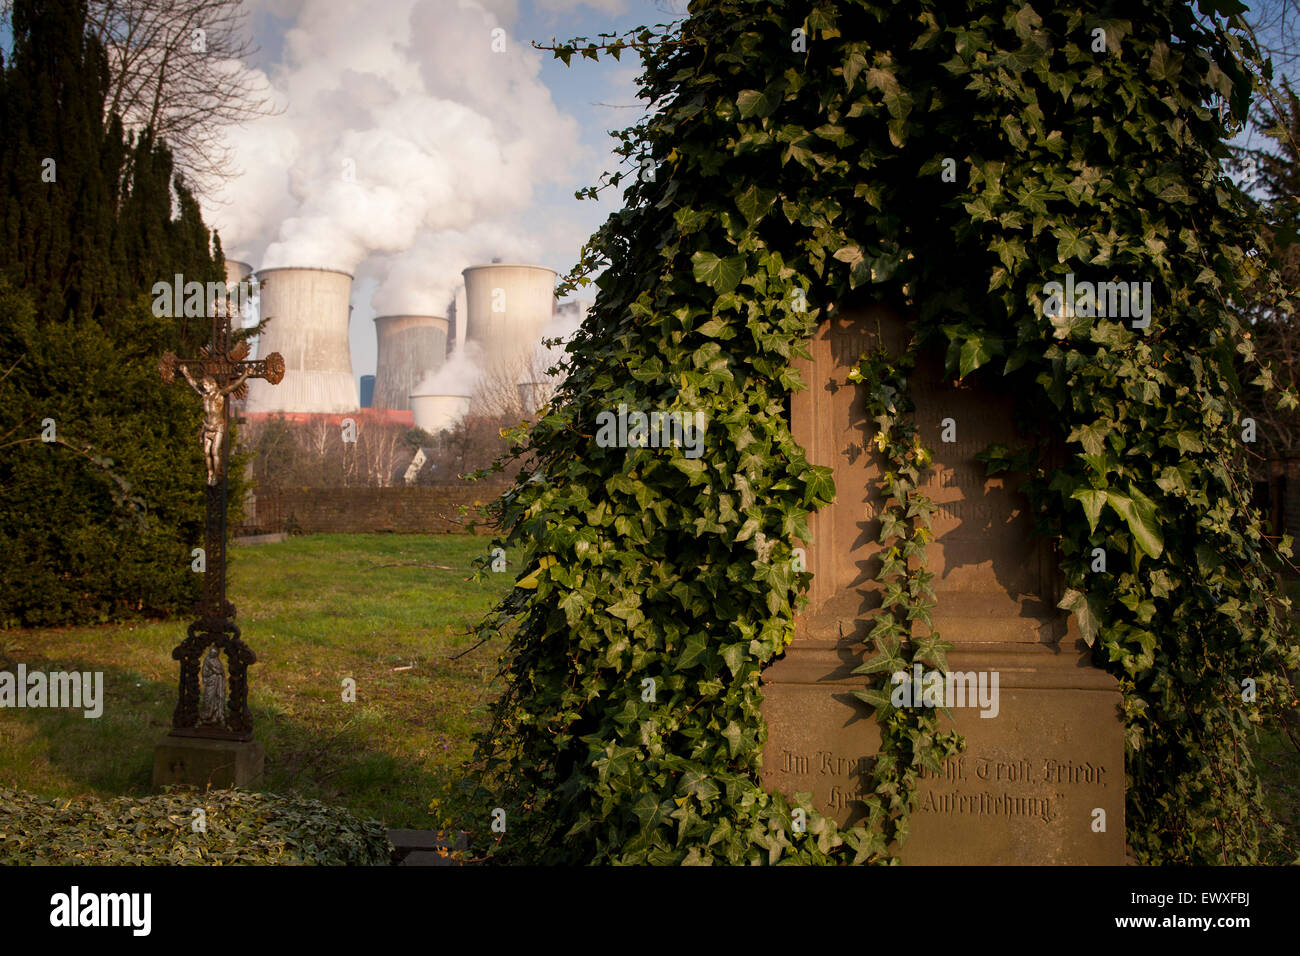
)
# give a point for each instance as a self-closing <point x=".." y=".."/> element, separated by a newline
<point x="312" y="454"/>
<point x="517" y="388"/>
<point x="473" y="443"/>
<point x="371" y="458"/>
<point x="1274" y="329"/>
<point x="180" y="68"/>
<point x="496" y="393"/>
<point x="316" y="435"/>
<point x="1276" y="24"/>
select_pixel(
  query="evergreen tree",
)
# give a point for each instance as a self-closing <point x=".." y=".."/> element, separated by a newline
<point x="99" y="464"/>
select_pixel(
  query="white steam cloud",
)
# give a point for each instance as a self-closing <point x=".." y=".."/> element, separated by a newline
<point x="459" y="375"/>
<point x="564" y="323"/>
<point x="405" y="150"/>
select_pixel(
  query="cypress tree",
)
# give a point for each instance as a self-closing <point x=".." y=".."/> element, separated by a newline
<point x="98" y="522"/>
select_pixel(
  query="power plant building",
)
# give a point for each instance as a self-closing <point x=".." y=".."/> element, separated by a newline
<point x="434" y="413"/>
<point x="237" y="272"/>
<point x="309" y="313"/>
<point x="507" y="305"/>
<point x="411" y="347"/>
<point x="503" y="309"/>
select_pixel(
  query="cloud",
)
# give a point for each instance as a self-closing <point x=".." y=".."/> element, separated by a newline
<point x="612" y="7"/>
<point x="459" y="375"/>
<point x="406" y="149"/>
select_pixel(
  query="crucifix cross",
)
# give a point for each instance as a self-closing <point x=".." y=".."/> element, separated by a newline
<point x="220" y="372"/>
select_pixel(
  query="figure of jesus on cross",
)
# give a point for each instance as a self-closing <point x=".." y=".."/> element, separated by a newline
<point x="213" y="434"/>
<point x="220" y="372"/>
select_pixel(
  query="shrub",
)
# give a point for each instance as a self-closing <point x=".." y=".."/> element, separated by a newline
<point x="240" y="828"/>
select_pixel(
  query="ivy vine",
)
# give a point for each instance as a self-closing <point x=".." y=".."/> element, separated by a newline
<point x="802" y="155"/>
<point x="910" y="736"/>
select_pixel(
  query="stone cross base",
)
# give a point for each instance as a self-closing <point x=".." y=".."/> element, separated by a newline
<point x="1025" y="792"/>
<point x="205" y="762"/>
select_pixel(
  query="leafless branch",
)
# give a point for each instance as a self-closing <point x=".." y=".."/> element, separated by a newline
<point x="180" y="68"/>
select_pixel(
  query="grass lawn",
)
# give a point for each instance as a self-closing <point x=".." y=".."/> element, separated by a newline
<point x="316" y="610"/>
<point x="1279" y="769"/>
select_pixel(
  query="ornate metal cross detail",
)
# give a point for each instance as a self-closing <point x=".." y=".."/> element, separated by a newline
<point x="218" y="373"/>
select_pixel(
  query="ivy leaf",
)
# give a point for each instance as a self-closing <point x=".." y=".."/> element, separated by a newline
<point x="974" y="353"/>
<point x="734" y="656"/>
<point x="1093" y="500"/>
<point x="891" y="526"/>
<point x="697" y="646"/>
<point x="819" y="486"/>
<point x="722" y="275"/>
<point x="1015" y="136"/>
<point x="1078" y="604"/>
<point x="884" y="266"/>
<point x="859" y="268"/>
<point x="698" y="785"/>
<point x="754" y="203"/>
<point x="1034" y="198"/>
<point x="853" y="66"/>
<point x="717" y="328"/>
<point x="932" y="650"/>
<point x="1070" y="244"/>
<point x="878" y="699"/>
<point x="1092" y="437"/>
<point x="754" y="103"/>
<point x="529" y="582"/>
<point x="1175" y="192"/>
<point x="1164" y="64"/>
<point x="1139" y="512"/>
<point x="689" y="220"/>
<point x="572" y="604"/>
<point x="652" y="812"/>
<point x="692" y="468"/>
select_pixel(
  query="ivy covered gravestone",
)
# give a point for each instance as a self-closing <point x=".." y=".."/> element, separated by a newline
<point x="1041" y="779"/>
<point x="971" y="166"/>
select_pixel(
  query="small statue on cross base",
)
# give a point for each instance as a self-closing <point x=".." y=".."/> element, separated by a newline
<point x="212" y="708"/>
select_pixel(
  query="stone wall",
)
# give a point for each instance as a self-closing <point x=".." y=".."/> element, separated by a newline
<point x="405" y="510"/>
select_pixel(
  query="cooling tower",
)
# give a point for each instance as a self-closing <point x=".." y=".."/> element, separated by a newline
<point x="506" y="307"/>
<point x="237" y="271"/>
<point x="410" y="347"/>
<point x="239" y="292"/>
<point x="309" y="313"/>
<point x="433" y="413"/>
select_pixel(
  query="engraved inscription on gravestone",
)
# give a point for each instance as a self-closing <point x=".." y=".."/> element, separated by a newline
<point x="1051" y="751"/>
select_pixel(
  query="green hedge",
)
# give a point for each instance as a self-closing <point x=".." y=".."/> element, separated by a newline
<point x="241" y="828"/>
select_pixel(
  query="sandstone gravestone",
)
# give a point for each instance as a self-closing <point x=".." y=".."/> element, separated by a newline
<point x="1050" y="754"/>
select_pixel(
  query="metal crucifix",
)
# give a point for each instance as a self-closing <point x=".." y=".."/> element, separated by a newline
<point x="220" y="372"/>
